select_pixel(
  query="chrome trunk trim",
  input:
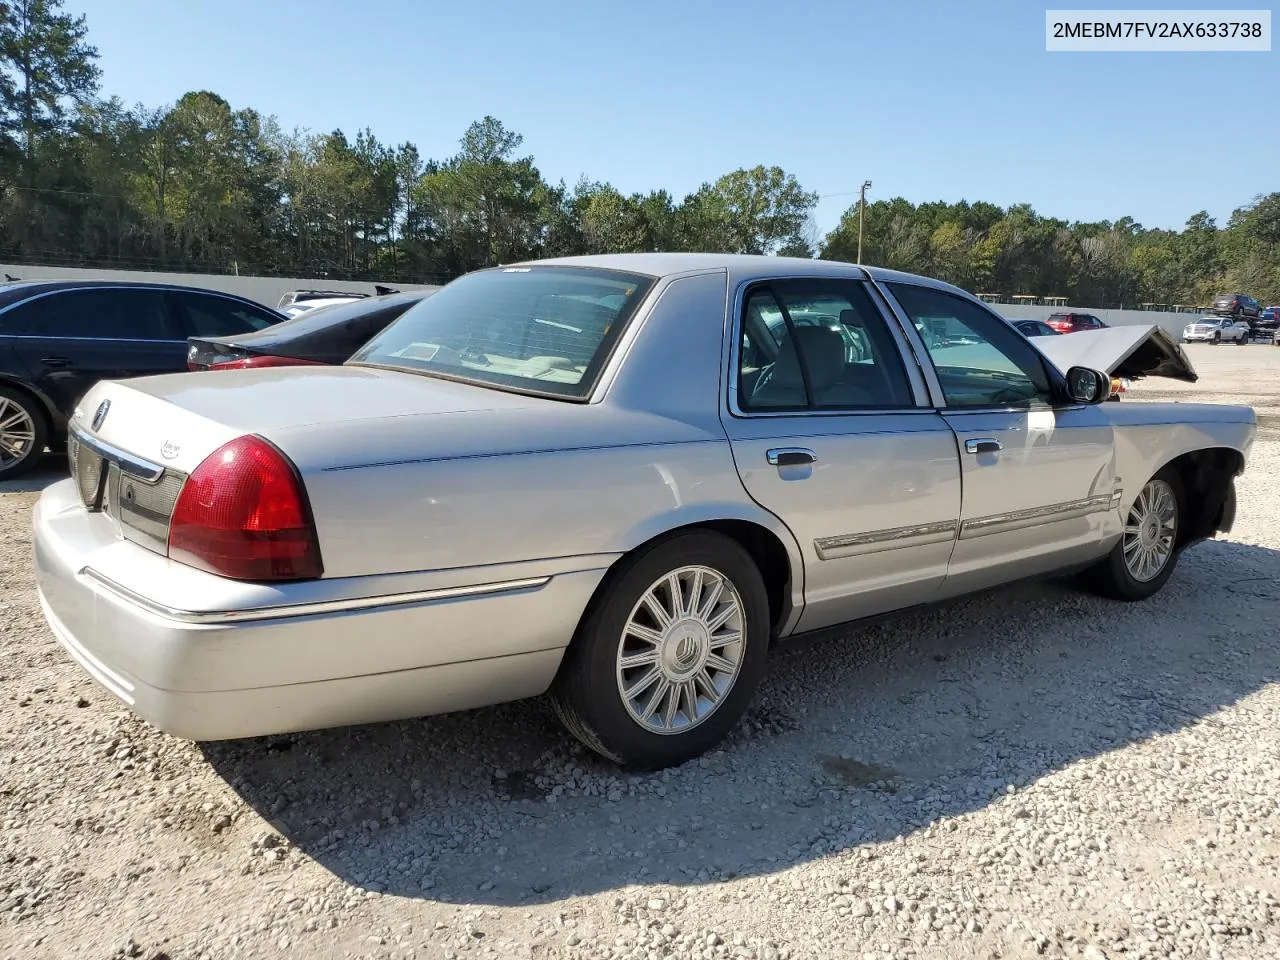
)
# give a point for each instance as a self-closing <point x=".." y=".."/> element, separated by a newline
<point x="136" y="467"/>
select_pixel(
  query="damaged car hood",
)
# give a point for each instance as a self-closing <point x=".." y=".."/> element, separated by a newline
<point x="1128" y="352"/>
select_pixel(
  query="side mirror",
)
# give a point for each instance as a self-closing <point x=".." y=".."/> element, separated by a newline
<point x="1087" y="386"/>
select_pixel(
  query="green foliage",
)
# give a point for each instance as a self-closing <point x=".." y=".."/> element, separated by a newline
<point x="45" y="64"/>
<point x="202" y="185"/>
<point x="1105" y="264"/>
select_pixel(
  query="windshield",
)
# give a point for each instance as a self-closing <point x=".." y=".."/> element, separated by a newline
<point x="546" y="330"/>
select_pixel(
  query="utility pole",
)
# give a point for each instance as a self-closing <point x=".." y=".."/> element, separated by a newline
<point x="862" y="206"/>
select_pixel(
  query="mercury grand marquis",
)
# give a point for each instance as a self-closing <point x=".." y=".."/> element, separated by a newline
<point x="615" y="480"/>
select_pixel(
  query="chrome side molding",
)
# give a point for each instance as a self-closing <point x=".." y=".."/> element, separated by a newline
<point x="210" y="617"/>
<point x="857" y="544"/>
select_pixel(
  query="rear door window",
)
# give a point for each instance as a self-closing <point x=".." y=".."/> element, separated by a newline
<point x="102" y="314"/>
<point x="818" y="344"/>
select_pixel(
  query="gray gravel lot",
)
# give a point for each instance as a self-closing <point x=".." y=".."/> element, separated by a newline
<point x="1033" y="772"/>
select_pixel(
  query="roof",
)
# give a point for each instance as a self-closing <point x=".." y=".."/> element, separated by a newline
<point x="738" y="265"/>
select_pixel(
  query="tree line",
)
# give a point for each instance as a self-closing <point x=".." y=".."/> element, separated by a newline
<point x="201" y="186"/>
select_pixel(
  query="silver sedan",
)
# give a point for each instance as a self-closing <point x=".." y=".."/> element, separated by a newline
<point x="618" y="480"/>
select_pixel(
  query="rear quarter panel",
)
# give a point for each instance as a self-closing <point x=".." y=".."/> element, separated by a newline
<point x="519" y="506"/>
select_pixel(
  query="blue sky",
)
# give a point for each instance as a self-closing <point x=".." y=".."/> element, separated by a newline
<point x="942" y="101"/>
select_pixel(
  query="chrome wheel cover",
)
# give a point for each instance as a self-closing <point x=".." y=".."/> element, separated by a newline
<point x="17" y="433"/>
<point x="1150" y="531"/>
<point x="681" y="650"/>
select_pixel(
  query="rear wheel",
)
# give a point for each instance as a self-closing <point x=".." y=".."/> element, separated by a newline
<point x="22" y="433"/>
<point x="1144" y="558"/>
<point x="669" y="654"/>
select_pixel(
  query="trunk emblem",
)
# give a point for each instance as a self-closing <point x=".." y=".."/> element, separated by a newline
<point x="169" y="450"/>
<point x="100" y="414"/>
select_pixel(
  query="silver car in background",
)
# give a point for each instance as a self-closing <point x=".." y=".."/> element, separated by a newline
<point x="618" y="480"/>
<point x="1216" y="330"/>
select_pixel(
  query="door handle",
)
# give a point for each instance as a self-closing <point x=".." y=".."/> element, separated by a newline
<point x="982" y="445"/>
<point x="55" y="361"/>
<point x="790" y="456"/>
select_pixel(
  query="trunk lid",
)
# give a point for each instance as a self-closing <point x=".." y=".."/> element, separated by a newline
<point x="263" y="401"/>
<point x="132" y="444"/>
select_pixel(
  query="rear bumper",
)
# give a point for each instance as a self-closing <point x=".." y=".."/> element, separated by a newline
<point x="213" y="674"/>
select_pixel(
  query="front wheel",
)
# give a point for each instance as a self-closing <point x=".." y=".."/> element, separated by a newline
<point x="669" y="654"/>
<point x="1144" y="558"/>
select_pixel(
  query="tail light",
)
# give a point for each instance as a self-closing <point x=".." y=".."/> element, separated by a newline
<point x="245" y="363"/>
<point x="243" y="514"/>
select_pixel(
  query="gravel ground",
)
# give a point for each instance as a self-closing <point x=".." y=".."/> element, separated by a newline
<point x="1030" y="773"/>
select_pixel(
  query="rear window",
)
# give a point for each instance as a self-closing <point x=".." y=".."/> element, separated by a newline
<point x="544" y="330"/>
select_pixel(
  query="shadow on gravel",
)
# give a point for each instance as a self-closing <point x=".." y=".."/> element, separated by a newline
<point x="51" y="468"/>
<point x="851" y="742"/>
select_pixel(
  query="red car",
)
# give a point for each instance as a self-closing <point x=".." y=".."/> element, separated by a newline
<point x="1074" y="322"/>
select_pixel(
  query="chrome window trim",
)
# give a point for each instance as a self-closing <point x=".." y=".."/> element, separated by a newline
<point x="876" y="541"/>
<point x="136" y="467"/>
<point x="25" y="336"/>
<point x="291" y="610"/>
<point x="930" y="389"/>
<point x="920" y="401"/>
<point x="937" y="399"/>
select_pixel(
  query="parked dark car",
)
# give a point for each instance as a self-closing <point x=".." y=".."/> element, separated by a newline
<point x="1236" y="305"/>
<point x="1074" y="322"/>
<point x="1034" y="328"/>
<point x="324" y="335"/>
<point x="1268" y="320"/>
<point x="58" y="338"/>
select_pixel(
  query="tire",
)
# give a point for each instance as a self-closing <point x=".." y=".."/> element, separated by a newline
<point x="588" y="691"/>
<point x="1113" y="577"/>
<point x="23" y="433"/>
